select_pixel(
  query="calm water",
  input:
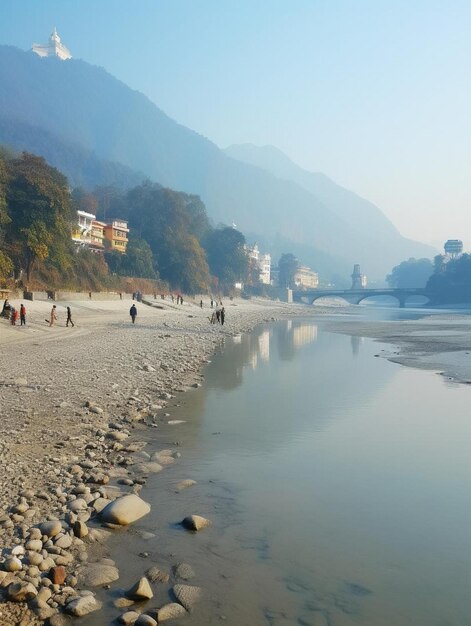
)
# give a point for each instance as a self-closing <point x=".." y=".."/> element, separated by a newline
<point x="339" y="485"/>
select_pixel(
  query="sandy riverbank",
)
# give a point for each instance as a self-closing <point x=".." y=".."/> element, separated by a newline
<point x="440" y="342"/>
<point x="73" y="403"/>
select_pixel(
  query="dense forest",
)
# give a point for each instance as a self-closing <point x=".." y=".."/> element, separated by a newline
<point x="171" y="239"/>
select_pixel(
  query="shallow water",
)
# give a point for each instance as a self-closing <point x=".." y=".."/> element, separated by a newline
<point x="339" y="486"/>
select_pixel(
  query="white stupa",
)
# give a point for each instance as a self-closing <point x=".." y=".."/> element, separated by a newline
<point x="54" y="48"/>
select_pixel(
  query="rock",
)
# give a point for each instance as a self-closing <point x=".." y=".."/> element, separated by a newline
<point x="57" y="574"/>
<point x="125" y="510"/>
<point x="170" y="611"/>
<point x="50" y="529"/>
<point x="184" y="484"/>
<point x="13" y="564"/>
<point x="187" y="595"/>
<point x="97" y="575"/>
<point x="183" y="571"/>
<point x="155" y="575"/>
<point x="148" y="468"/>
<point x="78" y="505"/>
<point x="129" y="618"/>
<point x="195" y="522"/>
<point x="58" y="620"/>
<point x="123" y="603"/>
<point x="145" y="620"/>
<point x="35" y="545"/>
<point x="141" y="590"/>
<point x="21" y="592"/>
<point x="80" y="529"/>
<point x="83" y="606"/>
<point x="18" y="551"/>
<point x="64" y="542"/>
<point x="100" y="504"/>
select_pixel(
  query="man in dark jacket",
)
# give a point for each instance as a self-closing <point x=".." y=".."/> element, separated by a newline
<point x="133" y="313"/>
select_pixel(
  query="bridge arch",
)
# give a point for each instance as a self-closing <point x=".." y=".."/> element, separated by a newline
<point x="311" y="300"/>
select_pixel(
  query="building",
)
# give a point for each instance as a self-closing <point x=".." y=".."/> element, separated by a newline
<point x="54" y="48"/>
<point x="453" y="248"/>
<point x="359" y="280"/>
<point x="81" y="232"/>
<point x="305" y="278"/>
<point x="97" y="236"/>
<point x="262" y="262"/>
<point x="116" y="232"/>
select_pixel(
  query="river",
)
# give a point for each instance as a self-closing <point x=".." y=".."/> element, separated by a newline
<point x="338" y="484"/>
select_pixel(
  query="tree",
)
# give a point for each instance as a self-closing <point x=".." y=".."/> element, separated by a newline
<point x="40" y="210"/>
<point x="410" y="273"/>
<point x="5" y="261"/>
<point x="288" y="265"/>
<point x="227" y="258"/>
<point x="160" y="216"/>
<point x="138" y="260"/>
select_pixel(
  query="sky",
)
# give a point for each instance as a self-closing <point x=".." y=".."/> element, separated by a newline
<point x="376" y="94"/>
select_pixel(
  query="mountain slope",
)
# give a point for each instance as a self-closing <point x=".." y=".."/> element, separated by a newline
<point x="85" y="106"/>
<point x="81" y="166"/>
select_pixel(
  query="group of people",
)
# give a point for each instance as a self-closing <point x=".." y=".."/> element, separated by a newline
<point x="13" y="315"/>
<point x="53" y="317"/>
<point x="218" y="316"/>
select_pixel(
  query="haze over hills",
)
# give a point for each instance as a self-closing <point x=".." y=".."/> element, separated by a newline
<point x="76" y="107"/>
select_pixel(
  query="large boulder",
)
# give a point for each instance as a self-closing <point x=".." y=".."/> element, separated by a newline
<point x="125" y="510"/>
<point x="21" y="592"/>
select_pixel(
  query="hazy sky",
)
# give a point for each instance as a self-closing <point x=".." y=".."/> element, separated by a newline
<point x="374" y="93"/>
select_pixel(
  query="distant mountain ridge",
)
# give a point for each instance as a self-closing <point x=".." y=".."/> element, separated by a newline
<point x="83" y="106"/>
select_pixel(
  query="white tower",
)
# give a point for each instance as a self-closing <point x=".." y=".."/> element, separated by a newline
<point x="54" y="47"/>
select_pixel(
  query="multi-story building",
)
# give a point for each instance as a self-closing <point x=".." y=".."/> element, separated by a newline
<point x="97" y="236"/>
<point x="305" y="278"/>
<point x="116" y="232"/>
<point x="359" y="280"/>
<point x="53" y="48"/>
<point x="453" y="248"/>
<point x="262" y="262"/>
<point x="81" y="232"/>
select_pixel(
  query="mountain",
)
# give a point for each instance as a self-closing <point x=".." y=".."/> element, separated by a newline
<point x="82" y="105"/>
<point x="81" y="166"/>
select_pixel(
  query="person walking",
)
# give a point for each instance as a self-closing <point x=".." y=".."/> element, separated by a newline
<point x="22" y="315"/>
<point x="69" y="317"/>
<point x="13" y="316"/>
<point x="201" y="304"/>
<point x="223" y="316"/>
<point x="53" y="316"/>
<point x="218" y="315"/>
<point x="212" y="302"/>
<point x="133" y="313"/>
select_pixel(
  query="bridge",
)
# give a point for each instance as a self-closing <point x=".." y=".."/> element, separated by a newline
<point x="355" y="296"/>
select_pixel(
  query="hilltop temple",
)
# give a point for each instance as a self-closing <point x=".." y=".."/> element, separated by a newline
<point x="54" y="48"/>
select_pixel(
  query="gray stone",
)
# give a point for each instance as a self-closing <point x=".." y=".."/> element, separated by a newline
<point x="184" y="484"/>
<point x="97" y="574"/>
<point x="170" y="611"/>
<point x="83" y="606"/>
<point x="50" y="529"/>
<point x="129" y="618"/>
<point x="183" y="571"/>
<point x="187" y="595"/>
<point x="156" y="575"/>
<point x="125" y="510"/>
<point x="21" y="592"/>
<point x="145" y="620"/>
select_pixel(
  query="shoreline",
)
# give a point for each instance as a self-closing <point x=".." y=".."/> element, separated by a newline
<point x="439" y="342"/>
<point x="69" y="417"/>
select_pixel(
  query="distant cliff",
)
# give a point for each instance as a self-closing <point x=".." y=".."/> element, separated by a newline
<point x="83" y="106"/>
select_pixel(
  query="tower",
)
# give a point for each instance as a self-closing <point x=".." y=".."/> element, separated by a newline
<point x="53" y="48"/>
<point x="358" y="279"/>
